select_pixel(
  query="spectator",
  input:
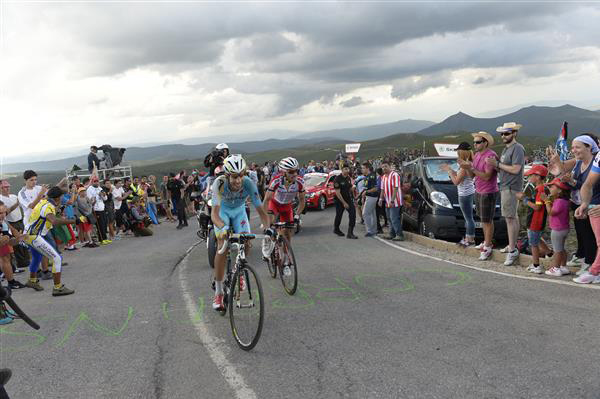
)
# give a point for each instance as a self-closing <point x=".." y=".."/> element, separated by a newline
<point x="119" y="195"/>
<point x="463" y="179"/>
<point x="176" y="187"/>
<point x="558" y="209"/>
<point x="9" y="237"/>
<point x="93" y="160"/>
<point x="536" y="215"/>
<point x="486" y="187"/>
<point x="68" y="199"/>
<point x="97" y="196"/>
<point x="510" y="173"/>
<point x="370" y="195"/>
<point x="151" y="197"/>
<point x="344" y="200"/>
<point x="14" y="219"/>
<point x="165" y="195"/>
<point x="140" y="223"/>
<point x="109" y="209"/>
<point x="391" y="197"/>
<point x="575" y="172"/>
<point x="380" y="209"/>
<point x="86" y="217"/>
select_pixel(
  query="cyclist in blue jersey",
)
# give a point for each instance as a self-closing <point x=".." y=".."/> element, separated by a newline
<point x="229" y="194"/>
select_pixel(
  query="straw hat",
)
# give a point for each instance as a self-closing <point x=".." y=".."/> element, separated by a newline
<point x="509" y="127"/>
<point x="486" y="136"/>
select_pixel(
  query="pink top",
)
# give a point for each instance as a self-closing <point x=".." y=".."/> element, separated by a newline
<point x="560" y="221"/>
<point x="479" y="163"/>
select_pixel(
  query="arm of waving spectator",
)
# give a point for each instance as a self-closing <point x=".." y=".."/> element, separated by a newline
<point x="512" y="169"/>
<point x="586" y="196"/>
<point x="457" y="178"/>
<point x="37" y="199"/>
<point x="63" y="184"/>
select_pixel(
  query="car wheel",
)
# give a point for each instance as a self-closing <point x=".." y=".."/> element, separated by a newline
<point x="424" y="229"/>
<point x="322" y="202"/>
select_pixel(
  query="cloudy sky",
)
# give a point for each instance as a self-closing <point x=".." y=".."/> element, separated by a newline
<point x="121" y="73"/>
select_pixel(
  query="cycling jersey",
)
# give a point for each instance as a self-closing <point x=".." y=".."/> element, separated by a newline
<point x="38" y="224"/>
<point x="285" y="195"/>
<point x="233" y="204"/>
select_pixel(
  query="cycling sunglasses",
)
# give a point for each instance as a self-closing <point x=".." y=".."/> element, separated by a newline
<point x="292" y="172"/>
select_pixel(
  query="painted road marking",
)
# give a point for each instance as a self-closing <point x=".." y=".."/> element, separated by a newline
<point x="212" y="344"/>
<point x="546" y="280"/>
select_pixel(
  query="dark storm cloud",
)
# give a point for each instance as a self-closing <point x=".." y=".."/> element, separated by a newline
<point x="307" y="52"/>
<point x="353" y="102"/>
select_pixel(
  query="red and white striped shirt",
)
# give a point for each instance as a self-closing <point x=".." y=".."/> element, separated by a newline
<point x="388" y="183"/>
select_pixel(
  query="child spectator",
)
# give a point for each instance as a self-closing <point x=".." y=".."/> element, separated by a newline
<point x="558" y="209"/>
<point x="86" y="218"/>
<point x="8" y="238"/>
<point x="536" y="214"/>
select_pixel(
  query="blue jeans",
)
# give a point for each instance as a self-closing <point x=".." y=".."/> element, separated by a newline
<point x="152" y="212"/>
<point x="394" y="215"/>
<point x="466" y="207"/>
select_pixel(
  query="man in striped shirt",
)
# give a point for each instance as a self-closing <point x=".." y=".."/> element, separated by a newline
<point x="391" y="196"/>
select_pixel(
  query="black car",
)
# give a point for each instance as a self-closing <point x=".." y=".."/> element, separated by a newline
<point x="431" y="205"/>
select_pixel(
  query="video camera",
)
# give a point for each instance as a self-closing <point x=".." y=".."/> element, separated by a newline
<point x="112" y="155"/>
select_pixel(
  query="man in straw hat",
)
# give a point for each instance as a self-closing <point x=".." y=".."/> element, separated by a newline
<point x="510" y="171"/>
<point x="486" y="187"/>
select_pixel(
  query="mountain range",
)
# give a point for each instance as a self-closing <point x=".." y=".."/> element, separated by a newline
<point x="536" y="120"/>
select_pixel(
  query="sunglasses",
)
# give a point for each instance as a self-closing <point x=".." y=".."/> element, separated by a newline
<point x="479" y="142"/>
<point x="235" y="176"/>
<point x="506" y="134"/>
<point x="292" y="172"/>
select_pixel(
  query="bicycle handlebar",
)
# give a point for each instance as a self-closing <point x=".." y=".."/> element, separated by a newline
<point x="5" y="296"/>
<point x="222" y="250"/>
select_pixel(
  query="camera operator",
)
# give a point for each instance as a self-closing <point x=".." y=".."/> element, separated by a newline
<point x="216" y="157"/>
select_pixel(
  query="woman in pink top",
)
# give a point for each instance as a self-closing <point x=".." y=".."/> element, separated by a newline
<point x="558" y="210"/>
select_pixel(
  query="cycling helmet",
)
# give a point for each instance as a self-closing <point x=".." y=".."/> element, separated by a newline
<point x="234" y="164"/>
<point x="288" y="163"/>
<point x="222" y="146"/>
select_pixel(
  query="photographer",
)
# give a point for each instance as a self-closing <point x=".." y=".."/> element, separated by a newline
<point x="216" y="157"/>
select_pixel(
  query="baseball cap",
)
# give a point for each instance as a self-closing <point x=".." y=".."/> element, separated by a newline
<point x="464" y="146"/>
<point x="539" y="170"/>
<point x="557" y="182"/>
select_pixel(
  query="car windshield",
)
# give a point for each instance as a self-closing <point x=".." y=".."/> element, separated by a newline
<point x="313" y="181"/>
<point x="436" y="173"/>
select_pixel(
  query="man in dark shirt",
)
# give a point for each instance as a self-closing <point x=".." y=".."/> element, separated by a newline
<point x="176" y="186"/>
<point x="344" y="199"/>
<point x="370" y="193"/>
<point x="93" y="159"/>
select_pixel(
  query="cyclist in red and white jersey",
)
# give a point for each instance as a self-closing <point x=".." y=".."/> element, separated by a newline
<point x="282" y="191"/>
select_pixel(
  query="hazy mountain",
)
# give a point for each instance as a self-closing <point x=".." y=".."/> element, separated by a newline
<point x="536" y="121"/>
<point x="163" y="153"/>
<point x="371" y="132"/>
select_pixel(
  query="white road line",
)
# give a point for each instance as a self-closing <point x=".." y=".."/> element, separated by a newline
<point x="214" y="346"/>
<point x="546" y="280"/>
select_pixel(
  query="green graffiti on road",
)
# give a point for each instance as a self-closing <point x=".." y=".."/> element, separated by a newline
<point x="198" y="313"/>
<point x="85" y="318"/>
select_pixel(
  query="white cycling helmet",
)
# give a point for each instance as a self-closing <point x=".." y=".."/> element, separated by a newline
<point x="288" y="163"/>
<point x="222" y="146"/>
<point x="234" y="164"/>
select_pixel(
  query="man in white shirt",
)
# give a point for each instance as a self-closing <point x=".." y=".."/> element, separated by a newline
<point x="119" y="195"/>
<point x="15" y="219"/>
<point x="97" y="197"/>
<point x="30" y="194"/>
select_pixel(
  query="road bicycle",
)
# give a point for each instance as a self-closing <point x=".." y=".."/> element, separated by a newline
<point x="282" y="255"/>
<point x="243" y="295"/>
<point x="5" y="298"/>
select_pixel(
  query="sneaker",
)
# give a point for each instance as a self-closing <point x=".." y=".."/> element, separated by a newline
<point x="511" y="257"/>
<point x="47" y="275"/>
<point x="106" y="242"/>
<point x="587" y="278"/>
<point x="6" y="320"/>
<point x="539" y="269"/>
<point x="398" y="238"/>
<point x="287" y="271"/>
<point x="218" y="302"/>
<point x="480" y="246"/>
<point x="462" y="243"/>
<point x="35" y="285"/>
<point x="505" y="250"/>
<point x="369" y="234"/>
<point x="15" y="285"/>
<point x="62" y="291"/>
<point x="267" y="247"/>
<point x="584" y="268"/>
<point x="339" y="233"/>
<point x="71" y="248"/>
<point x="557" y="271"/>
<point x="575" y="261"/>
<point x="19" y="270"/>
<point x="486" y="253"/>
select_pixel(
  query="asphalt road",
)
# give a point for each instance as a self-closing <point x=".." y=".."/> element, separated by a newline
<point x="369" y="321"/>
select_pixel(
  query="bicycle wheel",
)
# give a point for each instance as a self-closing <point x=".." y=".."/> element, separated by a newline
<point x="246" y="307"/>
<point x="290" y="281"/>
<point x="272" y="262"/>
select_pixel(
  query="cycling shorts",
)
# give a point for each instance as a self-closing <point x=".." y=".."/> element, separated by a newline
<point x="235" y="218"/>
<point x="285" y="211"/>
